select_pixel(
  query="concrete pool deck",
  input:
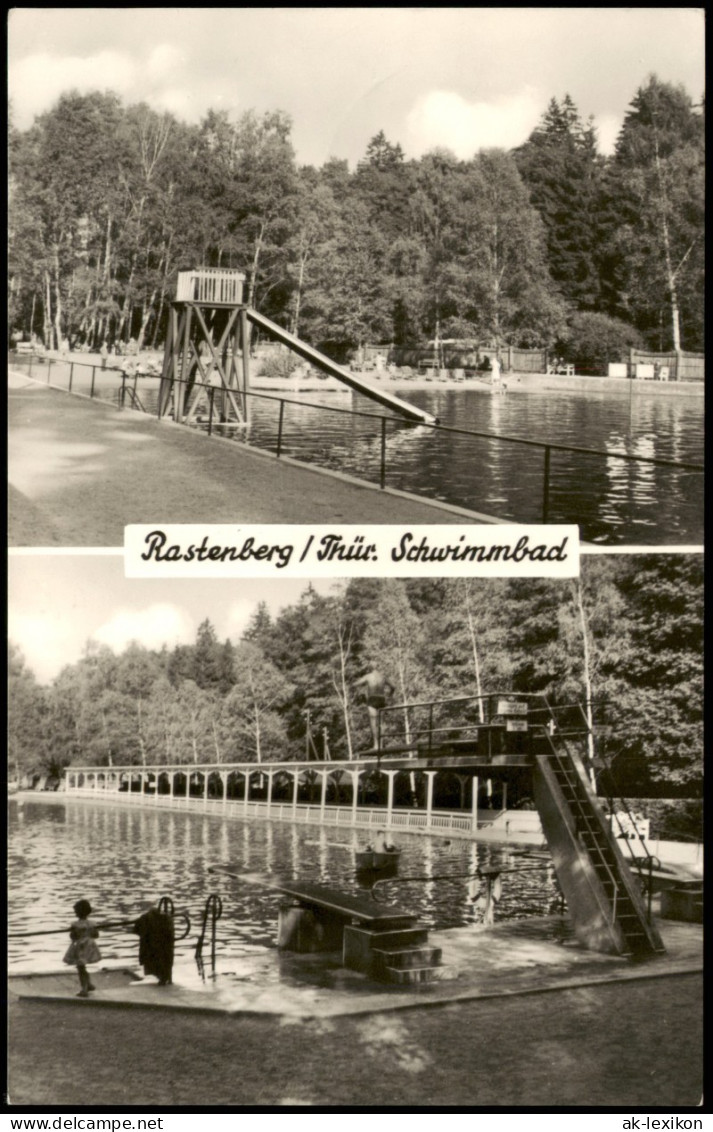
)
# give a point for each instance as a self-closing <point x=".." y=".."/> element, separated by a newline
<point x="510" y="959"/>
<point x="80" y="470"/>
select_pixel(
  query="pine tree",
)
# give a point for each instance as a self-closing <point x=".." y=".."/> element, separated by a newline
<point x="562" y="170"/>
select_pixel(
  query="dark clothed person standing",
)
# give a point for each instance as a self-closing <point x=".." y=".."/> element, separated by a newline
<point x="155" y="932"/>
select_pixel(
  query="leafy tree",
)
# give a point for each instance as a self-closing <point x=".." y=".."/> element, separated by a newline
<point x="625" y="640"/>
<point x="316" y="226"/>
<point x="591" y="340"/>
<point x="254" y="193"/>
<point x="433" y="218"/>
<point x="530" y="613"/>
<point x="507" y="291"/>
<point x="193" y="706"/>
<point x="470" y="653"/>
<point x="163" y="721"/>
<point x="588" y="624"/>
<point x="654" y="252"/>
<point x="659" y="724"/>
<point x="137" y="671"/>
<point x="348" y="304"/>
<point x="394" y="643"/>
<point x="252" y="706"/>
<point x="27" y="720"/>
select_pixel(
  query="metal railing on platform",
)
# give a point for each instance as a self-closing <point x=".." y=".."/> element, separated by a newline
<point x="125" y="394"/>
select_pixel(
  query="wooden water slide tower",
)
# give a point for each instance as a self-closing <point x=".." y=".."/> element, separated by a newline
<point x="207" y="346"/>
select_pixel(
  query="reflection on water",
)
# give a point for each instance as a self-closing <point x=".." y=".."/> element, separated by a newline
<point x="612" y="500"/>
<point x="117" y="857"/>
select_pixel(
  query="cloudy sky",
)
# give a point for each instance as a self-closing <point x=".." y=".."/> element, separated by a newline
<point x="58" y="602"/>
<point x="464" y="78"/>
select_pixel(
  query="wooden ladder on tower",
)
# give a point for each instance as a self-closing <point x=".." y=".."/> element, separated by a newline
<point x="602" y="893"/>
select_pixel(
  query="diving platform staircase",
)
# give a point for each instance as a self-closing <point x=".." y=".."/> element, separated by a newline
<point x="603" y="895"/>
<point x="498" y="734"/>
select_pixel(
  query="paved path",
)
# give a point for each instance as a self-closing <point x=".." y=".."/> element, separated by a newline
<point x="523" y="957"/>
<point x="79" y="471"/>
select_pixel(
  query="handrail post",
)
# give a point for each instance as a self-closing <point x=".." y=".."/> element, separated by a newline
<point x="91" y="387"/>
<point x="122" y="394"/>
<point x="136" y="381"/>
<point x="279" y="427"/>
<point x="382" y="473"/>
<point x="546" y="487"/>
<point x="71" y="375"/>
<point x="211" y="399"/>
<point x="49" y="369"/>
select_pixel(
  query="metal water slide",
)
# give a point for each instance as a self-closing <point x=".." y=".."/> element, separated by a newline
<point x="325" y="363"/>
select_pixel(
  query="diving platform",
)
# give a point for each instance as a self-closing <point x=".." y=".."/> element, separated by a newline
<point x="502" y="732"/>
<point x="493" y="736"/>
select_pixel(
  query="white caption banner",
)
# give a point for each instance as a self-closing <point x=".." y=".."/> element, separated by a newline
<point x="380" y="551"/>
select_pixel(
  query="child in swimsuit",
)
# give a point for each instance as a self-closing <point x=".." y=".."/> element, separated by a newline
<point x="83" y="950"/>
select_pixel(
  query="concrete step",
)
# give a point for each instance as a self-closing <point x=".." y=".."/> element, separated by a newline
<point x="392" y="940"/>
<point x="403" y="957"/>
<point x="405" y="976"/>
<point x="360" y="945"/>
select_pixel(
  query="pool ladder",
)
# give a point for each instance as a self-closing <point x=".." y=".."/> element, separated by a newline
<point x="211" y="914"/>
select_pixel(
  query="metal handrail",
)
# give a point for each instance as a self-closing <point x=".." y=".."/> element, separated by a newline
<point x="648" y="857"/>
<point x="113" y="925"/>
<point x="612" y="878"/>
<point x="547" y="447"/>
<point x="557" y="755"/>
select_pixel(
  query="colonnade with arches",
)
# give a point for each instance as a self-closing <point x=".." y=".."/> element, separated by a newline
<point x="350" y="793"/>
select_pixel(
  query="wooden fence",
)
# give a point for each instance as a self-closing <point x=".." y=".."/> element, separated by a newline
<point x="684" y="366"/>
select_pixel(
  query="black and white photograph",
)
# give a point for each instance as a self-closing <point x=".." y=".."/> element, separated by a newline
<point x="339" y="802"/>
<point x="370" y="835"/>
<point x="450" y="259"/>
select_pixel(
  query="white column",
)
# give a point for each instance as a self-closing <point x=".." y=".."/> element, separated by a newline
<point x="247" y="791"/>
<point x="430" y="775"/>
<point x="323" y="798"/>
<point x="295" y="791"/>
<point x="269" y="791"/>
<point x="171" y="776"/>
<point x="505" y="796"/>
<point x="390" y="774"/>
<point x="474" y="808"/>
<point x="224" y="781"/>
<point x="355" y="794"/>
<point x="205" y="787"/>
